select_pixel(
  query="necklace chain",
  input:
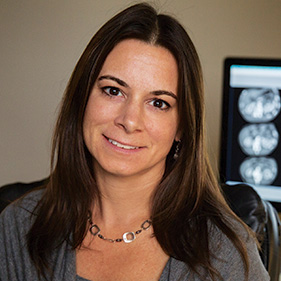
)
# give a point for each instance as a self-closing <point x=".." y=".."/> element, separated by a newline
<point x="128" y="237"/>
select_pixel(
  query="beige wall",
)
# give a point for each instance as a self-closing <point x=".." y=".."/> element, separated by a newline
<point x="42" y="40"/>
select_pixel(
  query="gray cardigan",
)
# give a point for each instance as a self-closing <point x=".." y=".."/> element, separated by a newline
<point x="15" y="263"/>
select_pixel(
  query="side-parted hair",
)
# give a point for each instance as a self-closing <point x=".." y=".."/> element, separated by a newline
<point x="188" y="198"/>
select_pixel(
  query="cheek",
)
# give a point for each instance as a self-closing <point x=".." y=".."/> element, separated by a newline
<point x="93" y="116"/>
<point x="164" y="131"/>
<point x="96" y="112"/>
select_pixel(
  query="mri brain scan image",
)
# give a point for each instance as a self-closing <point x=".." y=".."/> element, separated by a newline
<point x="259" y="105"/>
<point x="258" y="139"/>
<point x="259" y="170"/>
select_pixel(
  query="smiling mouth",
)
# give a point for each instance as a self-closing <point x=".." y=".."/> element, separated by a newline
<point x="116" y="143"/>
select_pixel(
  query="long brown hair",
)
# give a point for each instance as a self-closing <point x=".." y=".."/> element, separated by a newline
<point x="188" y="197"/>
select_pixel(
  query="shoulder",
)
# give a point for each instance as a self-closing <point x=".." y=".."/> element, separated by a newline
<point x="226" y="258"/>
<point x="16" y="264"/>
<point x="15" y="222"/>
<point x="19" y="215"/>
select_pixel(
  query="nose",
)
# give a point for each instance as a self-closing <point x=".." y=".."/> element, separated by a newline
<point x="130" y="117"/>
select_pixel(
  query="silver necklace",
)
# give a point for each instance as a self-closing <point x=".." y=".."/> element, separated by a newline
<point x="127" y="237"/>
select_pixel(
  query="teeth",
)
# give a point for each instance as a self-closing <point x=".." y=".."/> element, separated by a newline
<point x="122" y="145"/>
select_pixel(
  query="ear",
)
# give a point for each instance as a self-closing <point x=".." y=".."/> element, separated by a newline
<point x="178" y="136"/>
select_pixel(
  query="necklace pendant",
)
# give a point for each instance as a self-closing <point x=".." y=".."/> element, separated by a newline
<point x="129" y="237"/>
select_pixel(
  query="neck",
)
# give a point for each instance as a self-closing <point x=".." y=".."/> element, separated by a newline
<point x="125" y="200"/>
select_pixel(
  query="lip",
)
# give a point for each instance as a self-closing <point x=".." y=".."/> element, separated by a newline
<point x="122" y="146"/>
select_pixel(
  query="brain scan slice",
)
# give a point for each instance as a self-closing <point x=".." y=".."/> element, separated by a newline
<point x="259" y="170"/>
<point x="258" y="139"/>
<point x="258" y="105"/>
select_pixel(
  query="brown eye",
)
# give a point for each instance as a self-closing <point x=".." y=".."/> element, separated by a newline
<point x="112" y="91"/>
<point x="160" y="104"/>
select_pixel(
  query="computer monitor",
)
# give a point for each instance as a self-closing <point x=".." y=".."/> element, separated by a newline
<point x="251" y="126"/>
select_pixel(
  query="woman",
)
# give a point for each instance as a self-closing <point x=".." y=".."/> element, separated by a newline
<point x="131" y="194"/>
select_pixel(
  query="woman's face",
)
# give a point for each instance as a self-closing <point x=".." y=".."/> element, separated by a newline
<point x="131" y="118"/>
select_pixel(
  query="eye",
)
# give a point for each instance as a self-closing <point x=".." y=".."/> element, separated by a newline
<point x="158" y="103"/>
<point x="112" y="91"/>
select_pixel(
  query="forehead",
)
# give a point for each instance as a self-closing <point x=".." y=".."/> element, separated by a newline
<point x="140" y="62"/>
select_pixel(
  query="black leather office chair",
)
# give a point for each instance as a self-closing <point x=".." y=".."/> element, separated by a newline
<point x="11" y="192"/>
<point x="243" y="200"/>
<point x="261" y="216"/>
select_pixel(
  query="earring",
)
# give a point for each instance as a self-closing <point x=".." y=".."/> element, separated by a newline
<point x="176" y="155"/>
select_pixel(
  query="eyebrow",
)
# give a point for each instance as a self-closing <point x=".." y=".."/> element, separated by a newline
<point x="163" y="92"/>
<point x="119" y="81"/>
<point x="124" y="84"/>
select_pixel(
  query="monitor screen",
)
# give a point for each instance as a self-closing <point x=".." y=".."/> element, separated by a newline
<point x="251" y="126"/>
